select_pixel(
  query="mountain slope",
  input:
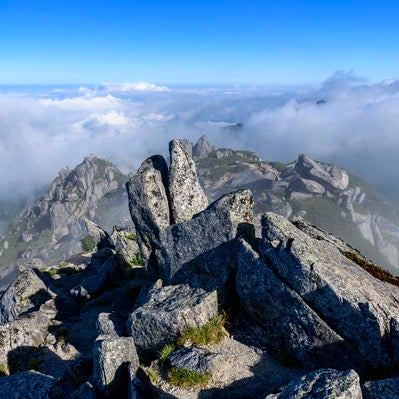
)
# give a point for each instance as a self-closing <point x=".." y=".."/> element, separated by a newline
<point x="323" y="194"/>
<point x="51" y="229"/>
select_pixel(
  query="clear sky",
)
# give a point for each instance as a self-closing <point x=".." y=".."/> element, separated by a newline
<point x="202" y="41"/>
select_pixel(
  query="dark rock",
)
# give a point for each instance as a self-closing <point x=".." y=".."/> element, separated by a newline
<point x="381" y="389"/>
<point x="195" y="359"/>
<point x="95" y="284"/>
<point x="322" y="384"/>
<point x="195" y="246"/>
<point x="28" y="384"/>
<point x="186" y="195"/>
<point x="85" y="391"/>
<point x="164" y="313"/>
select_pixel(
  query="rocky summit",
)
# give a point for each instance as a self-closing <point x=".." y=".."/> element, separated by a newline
<point x="202" y="301"/>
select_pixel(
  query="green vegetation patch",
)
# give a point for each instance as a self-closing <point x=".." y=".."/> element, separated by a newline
<point x="88" y="244"/>
<point x="371" y="268"/>
<point x="210" y="333"/>
<point x="131" y="236"/>
<point x="187" y="378"/>
<point x="166" y="351"/>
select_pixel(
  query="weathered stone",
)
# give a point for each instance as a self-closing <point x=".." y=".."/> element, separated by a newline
<point x="98" y="234"/>
<point x="186" y="195"/>
<point x="361" y="309"/>
<point x="381" y="389"/>
<point x="164" y="313"/>
<point x="124" y="247"/>
<point x="111" y="358"/>
<point x="306" y="186"/>
<point x="322" y="384"/>
<point x="28" y="330"/>
<point x="105" y="325"/>
<point x="195" y="359"/>
<point x="331" y="176"/>
<point x="201" y="247"/>
<point x="202" y="148"/>
<point x="291" y="327"/>
<point x="26" y="293"/>
<point x="149" y="205"/>
<point x="28" y="384"/>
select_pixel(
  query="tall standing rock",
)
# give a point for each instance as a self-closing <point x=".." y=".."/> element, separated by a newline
<point x="148" y="204"/>
<point x="186" y="195"/>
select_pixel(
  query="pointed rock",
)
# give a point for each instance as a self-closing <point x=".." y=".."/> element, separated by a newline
<point x="186" y="195"/>
<point x="202" y="148"/>
<point x="148" y="204"/>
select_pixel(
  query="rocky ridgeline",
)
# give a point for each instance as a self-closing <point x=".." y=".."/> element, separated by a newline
<point x="52" y="228"/>
<point x="321" y="193"/>
<point x="97" y="326"/>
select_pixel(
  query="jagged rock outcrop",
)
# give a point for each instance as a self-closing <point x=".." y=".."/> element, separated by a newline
<point x="327" y="175"/>
<point x="321" y="193"/>
<point x="201" y="249"/>
<point x="202" y="148"/>
<point x="185" y="193"/>
<point x="275" y="305"/>
<point x="52" y="228"/>
<point x="286" y="289"/>
<point x="359" y="308"/>
<point x="165" y="312"/>
<point x="327" y="383"/>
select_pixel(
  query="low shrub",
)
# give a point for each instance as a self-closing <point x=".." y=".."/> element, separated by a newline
<point x="210" y="333"/>
<point x="187" y="378"/>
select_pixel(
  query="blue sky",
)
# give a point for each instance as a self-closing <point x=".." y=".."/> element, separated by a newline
<point x="205" y="42"/>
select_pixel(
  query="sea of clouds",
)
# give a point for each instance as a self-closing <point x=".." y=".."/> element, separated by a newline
<point x="346" y="120"/>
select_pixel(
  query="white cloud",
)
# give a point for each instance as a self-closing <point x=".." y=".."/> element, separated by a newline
<point x="135" y="86"/>
<point x="356" y="127"/>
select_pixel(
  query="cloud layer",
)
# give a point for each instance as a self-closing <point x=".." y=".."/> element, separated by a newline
<point x="346" y="120"/>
